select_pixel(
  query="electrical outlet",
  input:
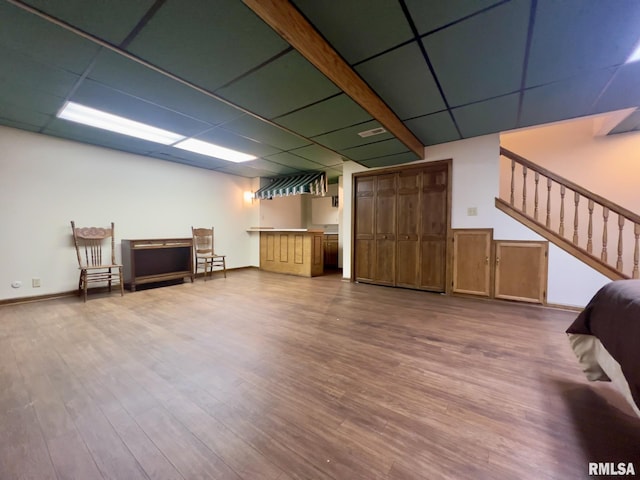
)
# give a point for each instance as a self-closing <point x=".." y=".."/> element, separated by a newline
<point x="35" y="282"/>
<point x="16" y="284"/>
<point x="472" y="211"/>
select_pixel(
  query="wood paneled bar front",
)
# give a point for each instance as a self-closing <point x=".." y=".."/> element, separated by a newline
<point x="296" y="251"/>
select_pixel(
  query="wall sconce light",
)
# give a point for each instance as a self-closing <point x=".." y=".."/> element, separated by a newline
<point x="248" y="197"/>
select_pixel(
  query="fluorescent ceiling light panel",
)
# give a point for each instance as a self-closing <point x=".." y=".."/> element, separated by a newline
<point x="75" y="112"/>
<point x="635" y="55"/>
<point x="212" y="150"/>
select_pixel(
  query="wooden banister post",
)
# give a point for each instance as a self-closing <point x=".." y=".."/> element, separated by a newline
<point x="636" y="250"/>
<point x="605" y="219"/>
<point x="562" y="192"/>
<point x="513" y="168"/>
<point x="620" y="227"/>
<point x="524" y="189"/>
<point x="590" y="230"/>
<point x="548" y="220"/>
<point x="535" y="200"/>
<point x="576" y="199"/>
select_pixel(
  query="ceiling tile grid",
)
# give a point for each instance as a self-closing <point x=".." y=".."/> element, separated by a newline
<point x="448" y="70"/>
<point x="208" y="42"/>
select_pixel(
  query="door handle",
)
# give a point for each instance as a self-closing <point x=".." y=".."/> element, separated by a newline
<point x="486" y="260"/>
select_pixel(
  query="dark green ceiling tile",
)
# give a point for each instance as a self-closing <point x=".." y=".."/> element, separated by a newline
<point x="111" y="21"/>
<point x="428" y="16"/>
<point x="574" y="36"/>
<point x="294" y="161"/>
<point x="95" y="95"/>
<point x="135" y="79"/>
<point x="333" y="114"/>
<point x="273" y="168"/>
<point x="403" y="80"/>
<point x="261" y="131"/>
<point x="434" y="128"/>
<point x="242" y="170"/>
<point x="185" y="156"/>
<point x="333" y="174"/>
<point x="348" y="137"/>
<point x="43" y="41"/>
<point x="373" y="150"/>
<point x="390" y="160"/>
<point x="491" y="116"/>
<point x="358" y="30"/>
<point x="562" y="100"/>
<point x="21" y="96"/>
<point x="319" y="154"/>
<point x="227" y="139"/>
<point x="623" y="91"/>
<point x="192" y="162"/>
<point x="207" y="42"/>
<point x="16" y="114"/>
<point x="483" y="56"/>
<point x="19" y="69"/>
<point x="283" y="85"/>
<point x="17" y="124"/>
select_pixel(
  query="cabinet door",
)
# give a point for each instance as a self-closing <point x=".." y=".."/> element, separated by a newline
<point x="407" y="245"/>
<point x="364" y="242"/>
<point x="472" y="261"/>
<point x="433" y="229"/>
<point x="331" y="251"/>
<point x="521" y="271"/>
<point x="385" y="229"/>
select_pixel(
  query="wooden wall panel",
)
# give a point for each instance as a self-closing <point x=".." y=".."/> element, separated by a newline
<point x="298" y="248"/>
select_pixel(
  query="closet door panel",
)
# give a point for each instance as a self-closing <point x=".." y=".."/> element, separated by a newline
<point x="385" y="229"/>
<point x="433" y="229"/>
<point x="364" y="229"/>
<point x="407" y="245"/>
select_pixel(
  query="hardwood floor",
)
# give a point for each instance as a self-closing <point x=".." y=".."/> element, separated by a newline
<point x="267" y="376"/>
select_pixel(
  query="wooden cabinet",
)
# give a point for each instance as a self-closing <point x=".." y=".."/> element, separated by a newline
<point x="330" y="250"/>
<point x="401" y="223"/>
<point x="472" y="261"/>
<point x="521" y="270"/>
<point x="510" y="270"/>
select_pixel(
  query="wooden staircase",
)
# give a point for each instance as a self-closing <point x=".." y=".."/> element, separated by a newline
<point x="579" y="225"/>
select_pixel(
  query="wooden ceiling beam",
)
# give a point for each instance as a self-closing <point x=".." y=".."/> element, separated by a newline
<point x="291" y="25"/>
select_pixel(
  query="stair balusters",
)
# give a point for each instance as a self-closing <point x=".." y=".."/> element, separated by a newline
<point x="586" y="230"/>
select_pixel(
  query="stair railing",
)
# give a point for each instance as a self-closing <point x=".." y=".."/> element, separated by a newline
<point x="574" y="214"/>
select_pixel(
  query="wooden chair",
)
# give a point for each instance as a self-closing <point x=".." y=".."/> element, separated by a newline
<point x="90" y="243"/>
<point x="205" y="253"/>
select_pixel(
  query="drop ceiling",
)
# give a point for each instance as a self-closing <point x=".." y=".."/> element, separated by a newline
<point x="214" y="70"/>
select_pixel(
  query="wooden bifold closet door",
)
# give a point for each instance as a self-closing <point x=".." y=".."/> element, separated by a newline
<point x="401" y="222"/>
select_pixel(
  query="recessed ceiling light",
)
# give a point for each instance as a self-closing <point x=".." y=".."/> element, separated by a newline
<point x="372" y="132"/>
<point x="635" y="55"/>
<point x="213" y="150"/>
<point x="75" y="112"/>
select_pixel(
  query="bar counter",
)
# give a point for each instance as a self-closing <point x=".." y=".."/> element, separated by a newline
<point x="296" y="251"/>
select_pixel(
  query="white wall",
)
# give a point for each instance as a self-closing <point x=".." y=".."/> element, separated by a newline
<point x="45" y="182"/>
<point x="282" y="212"/>
<point x="475" y="184"/>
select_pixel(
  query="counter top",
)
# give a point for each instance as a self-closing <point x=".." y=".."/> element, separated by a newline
<point x="270" y="229"/>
